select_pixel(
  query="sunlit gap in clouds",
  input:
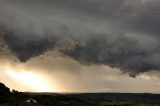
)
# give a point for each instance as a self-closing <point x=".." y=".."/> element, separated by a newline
<point x="36" y="82"/>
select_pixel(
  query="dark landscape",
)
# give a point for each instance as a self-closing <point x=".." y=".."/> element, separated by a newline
<point x="79" y="52"/>
<point x="16" y="98"/>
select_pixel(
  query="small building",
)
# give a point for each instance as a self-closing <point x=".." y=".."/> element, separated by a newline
<point x="31" y="101"/>
<point x="28" y="102"/>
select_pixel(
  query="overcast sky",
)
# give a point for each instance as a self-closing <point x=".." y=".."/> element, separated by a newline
<point x="80" y="45"/>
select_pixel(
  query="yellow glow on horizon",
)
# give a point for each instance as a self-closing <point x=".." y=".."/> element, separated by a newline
<point x="32" y="80"/>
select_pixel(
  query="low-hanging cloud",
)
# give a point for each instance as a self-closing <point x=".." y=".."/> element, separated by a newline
<point x="121" y="34"/>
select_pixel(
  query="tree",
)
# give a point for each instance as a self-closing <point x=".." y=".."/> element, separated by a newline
<point x="4" y="92"/>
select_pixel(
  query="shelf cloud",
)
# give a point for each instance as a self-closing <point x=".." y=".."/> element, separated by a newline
<point x="120" y="34"/>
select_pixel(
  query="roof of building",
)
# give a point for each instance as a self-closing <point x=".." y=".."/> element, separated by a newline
<point x="31" y="100"/>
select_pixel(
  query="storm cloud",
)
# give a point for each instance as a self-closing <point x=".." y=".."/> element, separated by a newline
<point x="122" y="34"/>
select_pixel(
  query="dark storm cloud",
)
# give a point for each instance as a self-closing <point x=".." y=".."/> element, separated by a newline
<point x="121" y="52"/>
<point x="121" y="34"/>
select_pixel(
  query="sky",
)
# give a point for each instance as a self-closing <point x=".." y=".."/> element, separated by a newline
<point x="80" y="45"/>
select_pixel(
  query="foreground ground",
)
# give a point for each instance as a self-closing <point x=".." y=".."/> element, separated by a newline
<point x="16" y="98"/>
<point x="86" y="99"/>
